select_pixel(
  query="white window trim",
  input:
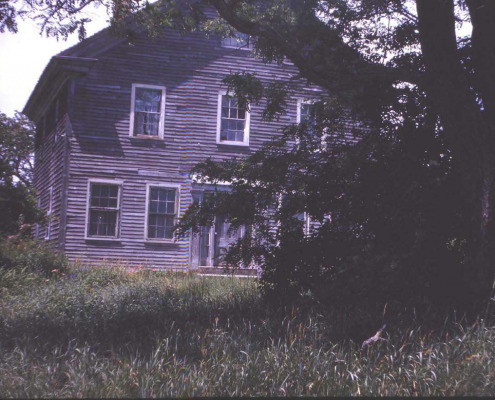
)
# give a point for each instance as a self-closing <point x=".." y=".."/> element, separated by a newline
<point x="249" y="46"/>
<point x="307" y="224"/>
<point x="324" y="136"/>
<point x="120" y="184"/>
<point x="245" y="142"/>
<point x="37" y="226"/>
<point x="49" y="214"/>
<point x="161" y="124"/>
<point x="149" y="185"/>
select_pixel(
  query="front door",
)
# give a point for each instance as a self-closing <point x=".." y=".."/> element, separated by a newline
<point x="224" y="238"/>
<point x="209" y="245"/>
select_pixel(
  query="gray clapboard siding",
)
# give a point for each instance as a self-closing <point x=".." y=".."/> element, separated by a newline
<point x="191" y="68"/>
<point x="49" y="172"/>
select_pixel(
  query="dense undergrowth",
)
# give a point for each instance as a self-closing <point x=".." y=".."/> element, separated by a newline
<point x="115" y="332"/>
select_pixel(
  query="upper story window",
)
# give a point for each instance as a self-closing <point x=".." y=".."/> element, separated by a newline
<point x="103" y="209"/>
<point x="233" y="121"/>
<point x="147" y="111"/>
<point x="310" y="113"/>
<point x="161" y="212"/>
<point x="239" y="41"/>
<point x="306" y="113"/>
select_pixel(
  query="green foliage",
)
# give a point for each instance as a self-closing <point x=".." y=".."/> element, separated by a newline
<point x="23" y="254"/>
<point x="386" y="205"/>
<point x="114" y="332"/>
<point x="17" y="199"/>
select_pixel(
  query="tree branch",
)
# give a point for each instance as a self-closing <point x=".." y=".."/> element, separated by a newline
<point x="482" y="14"/>
<point x="320" y="53"/>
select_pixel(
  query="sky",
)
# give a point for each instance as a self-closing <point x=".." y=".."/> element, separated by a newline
<point x="24" y="56"/>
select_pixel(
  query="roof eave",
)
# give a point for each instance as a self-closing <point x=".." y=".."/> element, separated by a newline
<point x="56" y="73"/>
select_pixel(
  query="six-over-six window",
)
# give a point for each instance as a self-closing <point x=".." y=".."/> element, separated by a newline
<point x="147" y="111"/>
<point x="233" y="121"/>
<point x="103" y="209"/>
<point x="161" y="212"/>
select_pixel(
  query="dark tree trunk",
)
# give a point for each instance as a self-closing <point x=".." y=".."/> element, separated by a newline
<point x="469" y="129"/>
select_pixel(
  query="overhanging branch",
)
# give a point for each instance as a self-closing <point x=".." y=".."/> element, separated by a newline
<point x="329" y="63"/>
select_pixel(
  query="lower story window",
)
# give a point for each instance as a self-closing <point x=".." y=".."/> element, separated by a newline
<point x="162" y="212"/>
<point x="104" y="210"/>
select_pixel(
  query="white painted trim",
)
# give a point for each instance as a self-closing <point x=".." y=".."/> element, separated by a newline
<point x="324" y="136"/>
<point x="49" y="213"/>
<point x="245" y="142"/>
<point x="149" y="185"/>
<point x="300" y="102"/>
<point x="161" y="124"/>
<point x="249" y="46"/>
<point x="307" y="224"/>
<point x="120" y="184"/>
<point x="37" y="226"/>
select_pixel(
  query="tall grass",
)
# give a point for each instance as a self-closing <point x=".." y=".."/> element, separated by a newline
<point x="108" y="332"/>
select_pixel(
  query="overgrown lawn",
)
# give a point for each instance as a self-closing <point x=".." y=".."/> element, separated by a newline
<point x="111" y="332"/>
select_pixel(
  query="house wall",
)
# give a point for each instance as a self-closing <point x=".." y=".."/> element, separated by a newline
<point x="48" y="175"/>
<point x="191" y="67"/>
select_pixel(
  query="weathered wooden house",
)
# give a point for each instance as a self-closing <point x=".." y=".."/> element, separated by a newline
<point x="119" y="127"/>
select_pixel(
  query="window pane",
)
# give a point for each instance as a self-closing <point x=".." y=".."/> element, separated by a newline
<point x="148" y="100"/>
<point x="104" y="195"/>
<point x="160" y="226"/>
<point x="162" y="207"/>
<point x="146" y="123"/>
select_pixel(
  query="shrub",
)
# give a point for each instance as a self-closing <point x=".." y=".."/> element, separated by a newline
<point x="18" y="252"/>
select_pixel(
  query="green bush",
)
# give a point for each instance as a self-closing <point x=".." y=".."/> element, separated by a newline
<point x="20" y="253"/>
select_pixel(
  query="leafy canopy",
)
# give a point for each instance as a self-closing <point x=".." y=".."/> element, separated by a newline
<point x="17" y="200"/>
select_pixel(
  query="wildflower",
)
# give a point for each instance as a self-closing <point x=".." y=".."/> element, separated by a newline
<point x="154" y="269"/>
<point x="54" y="270"/>
<point x="47" y="280"/>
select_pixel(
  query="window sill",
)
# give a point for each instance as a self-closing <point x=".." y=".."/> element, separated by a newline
<point x="233" y="144"/>
<point x="147" y="137"/>
<point x="103" y="239"/>
<point x="159" y="241"/>
<point x="245" y="48"/>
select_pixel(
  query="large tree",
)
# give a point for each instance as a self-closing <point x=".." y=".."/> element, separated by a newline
<point x="373" y="57"/>
<point x="17" y="200"/>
